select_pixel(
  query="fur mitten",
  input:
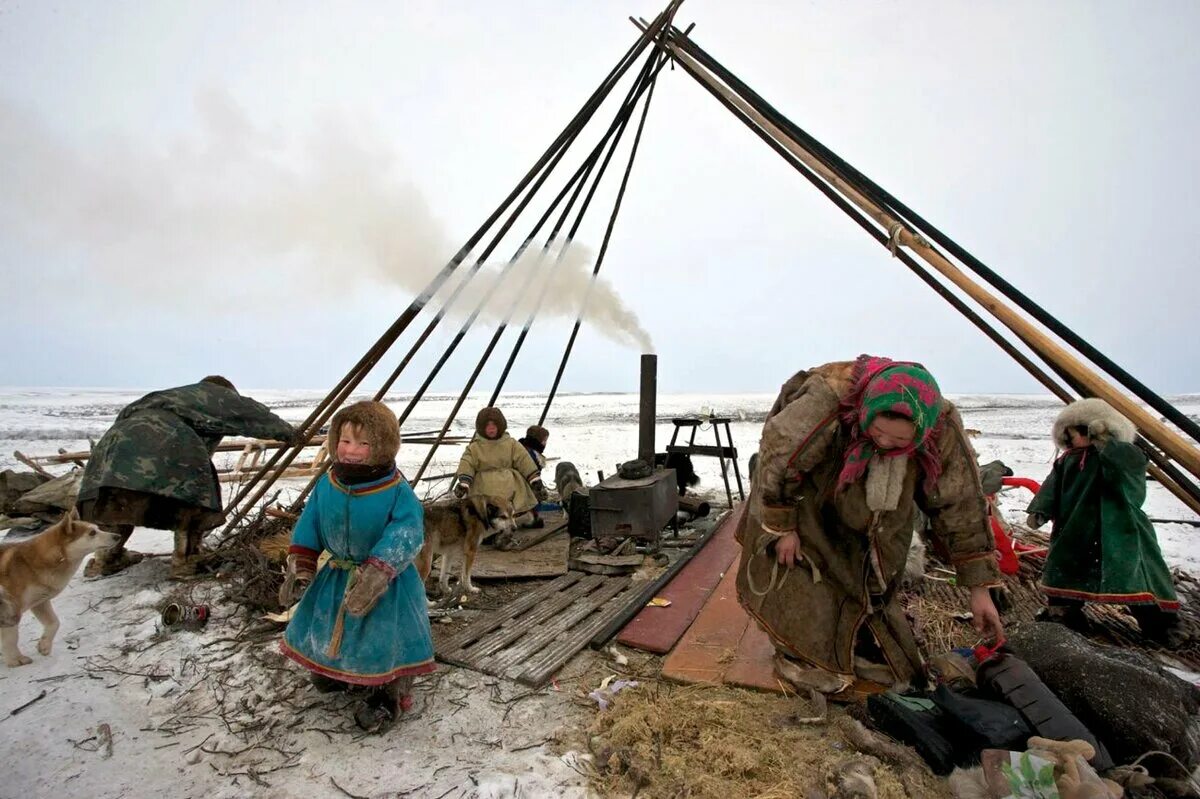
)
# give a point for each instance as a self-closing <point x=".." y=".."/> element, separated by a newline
<point x="299" y="575"/>
<point x="371" y="580"/>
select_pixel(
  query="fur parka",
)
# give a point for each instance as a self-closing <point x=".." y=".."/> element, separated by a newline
<point x="500" y="467"/>
<point x="853" y="559"/>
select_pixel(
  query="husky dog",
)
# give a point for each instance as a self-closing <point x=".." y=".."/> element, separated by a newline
<point x="35" y="571"/>
<point x="461" y="525"/>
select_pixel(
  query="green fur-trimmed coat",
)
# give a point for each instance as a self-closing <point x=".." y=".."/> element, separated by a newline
<point x="1103" y="547"/>
<point x="853" y="559"/>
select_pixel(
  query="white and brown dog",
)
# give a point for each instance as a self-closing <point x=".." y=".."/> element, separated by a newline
<point x="35" y="571"/>
<point x="461" y="525"/>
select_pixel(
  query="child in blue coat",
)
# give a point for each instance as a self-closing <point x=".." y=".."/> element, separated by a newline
<point x="362" y="618"/>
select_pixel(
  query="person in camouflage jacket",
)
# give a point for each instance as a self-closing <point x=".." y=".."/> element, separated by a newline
<point x="153" y="468"/>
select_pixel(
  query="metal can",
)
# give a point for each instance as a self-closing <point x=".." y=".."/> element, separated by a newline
<point x="186" y="616"/>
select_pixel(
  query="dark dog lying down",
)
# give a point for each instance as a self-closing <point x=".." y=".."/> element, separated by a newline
<point x="685" y="474"/>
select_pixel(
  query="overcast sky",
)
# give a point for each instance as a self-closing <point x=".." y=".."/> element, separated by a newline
<point x="257" y="189"/>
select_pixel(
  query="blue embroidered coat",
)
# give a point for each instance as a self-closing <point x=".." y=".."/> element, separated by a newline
<point x="380" y="520"/>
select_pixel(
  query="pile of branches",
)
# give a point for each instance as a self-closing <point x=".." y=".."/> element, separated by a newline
<point x="251" y="558"/>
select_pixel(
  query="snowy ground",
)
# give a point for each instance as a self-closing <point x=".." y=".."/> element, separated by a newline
<point x="186" y="710"/>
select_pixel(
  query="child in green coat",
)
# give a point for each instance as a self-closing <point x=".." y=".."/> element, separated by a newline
<point x="1103" y="548"/>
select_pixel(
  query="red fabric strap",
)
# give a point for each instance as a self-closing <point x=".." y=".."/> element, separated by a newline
<point x="306" y="558"/>
<point x="383" y="566"/>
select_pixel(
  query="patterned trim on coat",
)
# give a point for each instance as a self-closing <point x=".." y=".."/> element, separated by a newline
<point x="424" y="667"/>
<point x="383" y="484"/>
<point x="1140" y="598"/>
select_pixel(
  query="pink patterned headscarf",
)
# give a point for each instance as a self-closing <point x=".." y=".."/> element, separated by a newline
<point x="905" y="388"/>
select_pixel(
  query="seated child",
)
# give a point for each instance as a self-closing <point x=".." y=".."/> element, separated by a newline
<point x="362" y="618"/>
<point x="1103" y="548"/>
<point x="534" y="443"/>
<point x="495" y="465"/>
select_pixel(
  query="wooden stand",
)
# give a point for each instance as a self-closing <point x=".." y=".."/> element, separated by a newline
<point x="721" y="452"/>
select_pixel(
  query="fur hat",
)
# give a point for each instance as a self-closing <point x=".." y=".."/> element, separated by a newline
<point x="217" y="380"/>
<point x="379" y="425"/>
<point x="1102" y="421"/>
<point x="490" y="415"/>
<point x="537" y="433"/>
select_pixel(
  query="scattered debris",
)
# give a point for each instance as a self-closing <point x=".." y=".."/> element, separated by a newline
<point x="23" y="707"/>
<point x="609" y="688"/>
<point x="104" y="740"/>
<point x="191" y="617"/>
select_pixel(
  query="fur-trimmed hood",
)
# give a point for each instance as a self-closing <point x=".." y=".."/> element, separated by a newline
<point x="379" y="424"/>
<point x="1102" y="421"/>
<point x="491" y="415"/>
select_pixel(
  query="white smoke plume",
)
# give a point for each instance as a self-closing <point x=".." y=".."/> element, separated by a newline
<point x="553" y="281"/>
<point x="238" y="215"/>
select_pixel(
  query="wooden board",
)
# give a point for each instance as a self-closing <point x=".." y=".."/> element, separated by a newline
<point x="547" y="559"/>
<point x="531" y="638"/>
<point x="658" y="629"/>
<point x="723" y="645"/>
<point x="529" y="538"/>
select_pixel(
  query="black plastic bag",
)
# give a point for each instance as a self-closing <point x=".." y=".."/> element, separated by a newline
<point x="983" y="723"/>
<point x="917" y="722"/>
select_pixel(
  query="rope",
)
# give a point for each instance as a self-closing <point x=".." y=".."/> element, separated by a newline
<point x="893" y="238"/>
<point x="1137" y="764"/>
<point x="775" y="582"/>
<point x="339" y="624"/>
<point x="760" y="548"/>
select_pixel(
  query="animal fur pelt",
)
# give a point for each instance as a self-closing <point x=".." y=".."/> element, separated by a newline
<point x="915" y="563"/>
<point x="1102" y="421"/>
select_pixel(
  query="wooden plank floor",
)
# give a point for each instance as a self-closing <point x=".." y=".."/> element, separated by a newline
<point x="531" y="638"/>
<point x="723" y="645"/>
<point x="546" y="559"/>
<point x="657" y="629"/>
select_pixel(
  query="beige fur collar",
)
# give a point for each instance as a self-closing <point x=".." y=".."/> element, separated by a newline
<point x="885" y="482"/>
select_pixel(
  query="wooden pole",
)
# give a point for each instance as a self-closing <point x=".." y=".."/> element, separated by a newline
<point x="241" y="505"/>
<point x="1158" y="433"/>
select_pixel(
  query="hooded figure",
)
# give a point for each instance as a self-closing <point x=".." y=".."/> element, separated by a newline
<point x="153" y="468"/>
<point x="1103" y="548"/>
<point x="849" y="452"/>
<point x="495" y="465"/>
<point x="363" y="619"/>
<point x="534" y="443"/>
